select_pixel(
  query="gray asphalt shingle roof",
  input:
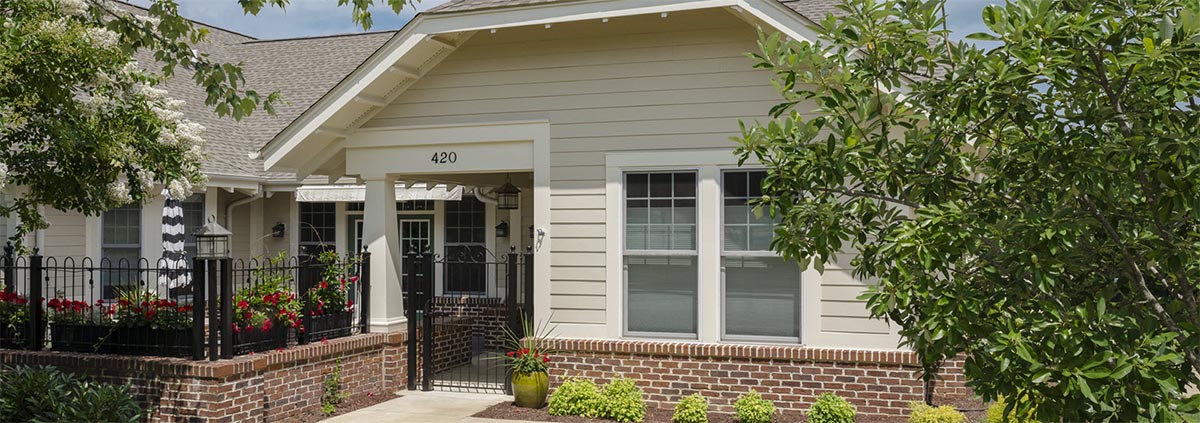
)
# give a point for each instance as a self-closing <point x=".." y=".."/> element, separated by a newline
<point x="303" y="70"/>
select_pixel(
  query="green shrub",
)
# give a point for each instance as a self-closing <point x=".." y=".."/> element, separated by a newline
<point x="577" y="397"/>
<point x="830" y="408"/>
<point x="691" y="409"/>
<point x="995" y="414"/>
<point x="924" y="413"/>
<point x="752" y="408"/>
<point x="623" y="401"/>
<point x="46" y="394"/>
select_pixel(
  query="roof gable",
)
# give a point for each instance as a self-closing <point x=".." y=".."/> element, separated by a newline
<point x="313" y="141"/>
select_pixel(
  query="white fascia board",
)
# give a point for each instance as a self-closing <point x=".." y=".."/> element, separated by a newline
<point x="233" y="181"/>
<point x="781" y="18"/>
<point x="402" y="43"/>
<point x="553" y="13"/>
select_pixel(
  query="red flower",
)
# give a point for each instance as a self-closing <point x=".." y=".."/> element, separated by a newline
<point x="545" y="359"/>
<point x="247" y="315"/>
<point x="243" y="304"/>
<point x="266" y="325"/>
<point x="510" y="353"/>
<point x="236" y="329"/>
<point x="324" y="341"/>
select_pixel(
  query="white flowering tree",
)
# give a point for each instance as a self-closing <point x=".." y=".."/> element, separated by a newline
<point x="82" y="127"/>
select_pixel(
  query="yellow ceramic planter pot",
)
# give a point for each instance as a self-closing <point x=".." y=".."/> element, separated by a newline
<point x="529" y="390"/>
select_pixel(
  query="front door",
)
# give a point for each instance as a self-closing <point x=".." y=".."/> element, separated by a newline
<point x="416" y="234"/>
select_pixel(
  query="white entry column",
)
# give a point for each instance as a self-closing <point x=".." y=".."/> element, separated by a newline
<point x="381" y="236"/>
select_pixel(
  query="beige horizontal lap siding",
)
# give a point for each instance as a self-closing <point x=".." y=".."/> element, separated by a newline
<point x="841" y="310"/>
<point x="66" y="236"/>
<point x="632" y="84"/>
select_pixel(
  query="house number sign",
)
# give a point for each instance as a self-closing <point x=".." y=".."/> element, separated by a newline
<point x="444" y="157"/>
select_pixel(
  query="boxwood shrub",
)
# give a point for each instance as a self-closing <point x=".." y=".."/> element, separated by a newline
<point x="577" y="397"/>
<point x="752" y="408"/>
<point x="924" y="413"/>
<point x="830" y="408"/>
<point x="691" y="409"/>
<point x="623" y="401"/>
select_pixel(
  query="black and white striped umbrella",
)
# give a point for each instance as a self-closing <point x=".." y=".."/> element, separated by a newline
<point x="175" y="273"/>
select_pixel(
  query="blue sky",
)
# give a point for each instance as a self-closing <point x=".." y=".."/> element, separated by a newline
<point x="322" y="17"/>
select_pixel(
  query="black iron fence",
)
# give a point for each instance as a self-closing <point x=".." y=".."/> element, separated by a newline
<point x="462" y="305"/>
<point x="201" y="309"/>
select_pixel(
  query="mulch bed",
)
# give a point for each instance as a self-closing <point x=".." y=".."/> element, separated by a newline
<point x="353" y="403"/>
<point x="509" y="411"/>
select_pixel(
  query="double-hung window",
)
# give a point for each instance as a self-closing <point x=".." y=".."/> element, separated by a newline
<point x="761" y="290"/>
<point x="318" y="228"/>
<point x="466" y="247"/>
<point x="660" y="254"/>
<point x="120" y="249"/>
<point x="193" y="220"/>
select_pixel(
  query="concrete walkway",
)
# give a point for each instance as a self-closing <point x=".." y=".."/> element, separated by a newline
<point x="427" y="407"/>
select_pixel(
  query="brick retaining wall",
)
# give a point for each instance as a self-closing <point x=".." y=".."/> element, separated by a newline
<point x="270" y="386"/>
<point x="273" y="386"/>
<point x="876" y="382"/>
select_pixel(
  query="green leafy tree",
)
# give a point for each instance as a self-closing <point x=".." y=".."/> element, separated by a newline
<point x="1033" y="205"/>
<point x="83" y="127"/>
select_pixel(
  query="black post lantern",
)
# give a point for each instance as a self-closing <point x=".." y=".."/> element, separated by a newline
<point x="212" y="241"/>
<point x="508" y="196"/>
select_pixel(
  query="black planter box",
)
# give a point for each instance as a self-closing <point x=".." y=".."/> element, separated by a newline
<point x="13" y="338"/>
<point x="327" y="326"/>
<point x="144" y="340"/>
<point x="81" y="338"/>
<point x="139" y="340"/>
<point x="258" y="340"/>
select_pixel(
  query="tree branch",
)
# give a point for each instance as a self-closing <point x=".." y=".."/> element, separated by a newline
<point x="1139" y="280"/>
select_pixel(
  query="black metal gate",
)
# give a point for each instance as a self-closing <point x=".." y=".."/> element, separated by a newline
<point x="460" y="306"/>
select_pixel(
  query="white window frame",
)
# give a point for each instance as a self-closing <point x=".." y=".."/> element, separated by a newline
<point x="725" y="336"/>
<point x="695" y="253"/>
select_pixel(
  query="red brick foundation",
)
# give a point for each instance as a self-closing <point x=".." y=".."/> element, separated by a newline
<point x="272" y="386"/>
<point x="876" y="382"/>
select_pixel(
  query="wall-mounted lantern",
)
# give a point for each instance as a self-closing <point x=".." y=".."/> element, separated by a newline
<point x="212" y="241"/>
<point x="508" y="196"/>
<point x="277" y="230"/>
<point x="502" y="229"/>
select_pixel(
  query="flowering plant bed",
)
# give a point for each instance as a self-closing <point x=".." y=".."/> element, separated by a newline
<point x="328" y="303"/>
<point x="262" y="306"/>
<point x="137" y="323"/>
<point x="14" y="317"/>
